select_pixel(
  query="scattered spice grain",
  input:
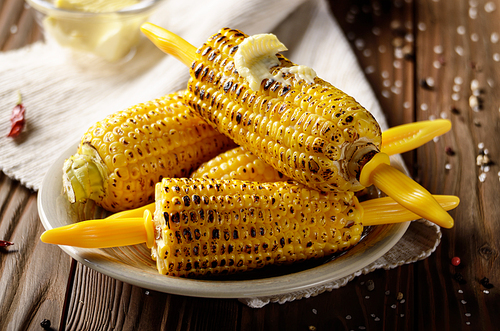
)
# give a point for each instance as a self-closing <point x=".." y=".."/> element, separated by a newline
<point x="4" y="243"/>
<point x="486" y="283"/>
<point x="45" y="324"/>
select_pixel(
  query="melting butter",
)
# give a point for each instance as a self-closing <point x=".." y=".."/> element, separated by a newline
<point x="108" y="35"/>
<point x="256" y="55"/>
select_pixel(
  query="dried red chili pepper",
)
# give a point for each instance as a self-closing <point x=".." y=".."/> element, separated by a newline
<point x="17" y="119"/>
<point x="4" y="243"/>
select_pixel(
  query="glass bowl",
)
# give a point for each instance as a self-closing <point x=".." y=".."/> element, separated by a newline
<point x="109" y="35"/>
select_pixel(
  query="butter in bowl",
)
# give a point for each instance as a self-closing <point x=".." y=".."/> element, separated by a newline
<point x="108" y="29"/>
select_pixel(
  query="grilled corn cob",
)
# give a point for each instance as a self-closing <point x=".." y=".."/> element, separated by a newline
<point x="238" y="163"/>
<point x="217" y="226"/>
<point x="121" y="158"/>
<point x="309" y="132"/>
<point x="203" y="226"/>
<point x="301" y="125"/>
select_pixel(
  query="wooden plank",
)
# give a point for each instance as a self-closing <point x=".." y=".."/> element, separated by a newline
<point x="100" y="300"/>
<point x="30" y="272"/>
<point x="464" y="44"/>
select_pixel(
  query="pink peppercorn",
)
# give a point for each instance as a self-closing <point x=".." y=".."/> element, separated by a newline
<point x="455" y="261"/>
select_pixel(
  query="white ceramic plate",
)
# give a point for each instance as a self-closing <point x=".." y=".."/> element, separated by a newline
<point x="133" y="265"/>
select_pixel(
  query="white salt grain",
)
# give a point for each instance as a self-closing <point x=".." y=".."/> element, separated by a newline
<point x="424" y="107"/>
<point x="407" y="104"/>
<point x="496" y="57"/>
<point x="456" y="88"/>
<point x="422" y="26"/>
<point x="398" y="53"/>
<point x="13" y="29"/>
<point x="482" y="178"/>
<point x="490" y="7"/>
<point x="458" y="80"/>
<point x="474" y="37"/>
<point x="474" y="84"/>
<point x="494" y="37"/>
<point x="370" y="69"/>
<point x="459" y="50"/>
<point x="455" y="96"/>
<point x="473" y="13"/>
<point x="438" y="49"/>
<point x="359" y="43"/>
<point x="376" y="31"/>
<point x="473" y="102"/>
<point x="436" y="64"/>
<point x="461" y="30"/>
<point x="385" y="74"/>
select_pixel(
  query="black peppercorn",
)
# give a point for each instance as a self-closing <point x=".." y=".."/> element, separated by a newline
<point x="45" y="324"/>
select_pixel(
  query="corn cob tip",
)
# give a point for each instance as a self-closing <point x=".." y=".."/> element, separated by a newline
<point x="83" y="175"/>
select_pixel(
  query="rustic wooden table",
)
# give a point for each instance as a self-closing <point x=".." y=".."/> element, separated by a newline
<point x="424" y="59"/>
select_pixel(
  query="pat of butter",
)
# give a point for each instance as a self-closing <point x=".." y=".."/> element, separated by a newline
<point x="108" y="35"/>
<point x="256" y="55"/>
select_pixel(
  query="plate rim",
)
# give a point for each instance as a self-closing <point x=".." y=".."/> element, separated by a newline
<point x="262" y="287"/>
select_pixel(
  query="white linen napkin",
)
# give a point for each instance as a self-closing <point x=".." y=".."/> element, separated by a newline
<point x="63" y="98"/>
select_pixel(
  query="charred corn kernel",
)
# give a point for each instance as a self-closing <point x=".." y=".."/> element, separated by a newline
<point x="298" y="123"/>
<point x="207" y="226"/>
<point x="121" y="158"/>
<point x="238" y="163"/>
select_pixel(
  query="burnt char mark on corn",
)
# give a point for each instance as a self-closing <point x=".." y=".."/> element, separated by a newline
<point x="147" y="142"/>
<point x="248" y="225"/>
<point x="307" y="132"/>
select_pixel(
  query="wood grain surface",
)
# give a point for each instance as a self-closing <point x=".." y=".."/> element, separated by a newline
<point x="421" y="58"/>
